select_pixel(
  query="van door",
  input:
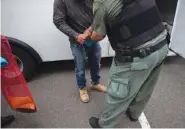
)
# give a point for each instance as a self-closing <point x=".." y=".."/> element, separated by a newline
<point x="178" y="36"/>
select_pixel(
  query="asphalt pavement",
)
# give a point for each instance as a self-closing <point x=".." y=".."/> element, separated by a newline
<point x="57" y="98"/>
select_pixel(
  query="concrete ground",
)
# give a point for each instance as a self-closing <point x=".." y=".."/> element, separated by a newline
<point x="58" y="102"/>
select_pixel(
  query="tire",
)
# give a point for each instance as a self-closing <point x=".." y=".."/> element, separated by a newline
<point x="27" y="64"/>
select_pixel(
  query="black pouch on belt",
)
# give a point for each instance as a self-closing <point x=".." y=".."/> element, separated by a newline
<point x="124" y="55"/>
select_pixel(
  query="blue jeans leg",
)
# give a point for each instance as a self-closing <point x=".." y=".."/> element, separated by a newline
<point x="79" y="60"/>
<point x="94" y="57"/>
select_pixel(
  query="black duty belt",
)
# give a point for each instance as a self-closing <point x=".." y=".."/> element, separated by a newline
<point x="127" y="54"/>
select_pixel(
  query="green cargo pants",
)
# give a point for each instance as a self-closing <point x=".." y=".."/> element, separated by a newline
<point x="130" y="86"/>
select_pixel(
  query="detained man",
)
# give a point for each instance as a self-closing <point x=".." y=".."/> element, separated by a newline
<point x="73" y="17"/>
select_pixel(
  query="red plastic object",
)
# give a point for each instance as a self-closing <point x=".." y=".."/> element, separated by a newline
<point x="13" y="84"/>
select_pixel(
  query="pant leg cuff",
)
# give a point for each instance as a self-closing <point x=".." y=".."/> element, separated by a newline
<point x="81" y="87"/>
<point x="95" y="82"/>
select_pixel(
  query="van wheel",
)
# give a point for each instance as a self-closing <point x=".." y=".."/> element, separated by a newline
<point x="26" y="63"/>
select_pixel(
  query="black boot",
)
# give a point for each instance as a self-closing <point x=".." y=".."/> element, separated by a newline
<point x="6" y="120"/>
<point x="93" y="121"/>
<point x="130" y="117"/>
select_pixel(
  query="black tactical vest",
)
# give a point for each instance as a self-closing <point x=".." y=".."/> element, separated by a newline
<point x="138" y="23"/>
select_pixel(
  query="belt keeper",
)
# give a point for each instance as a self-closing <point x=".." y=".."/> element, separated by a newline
<point x="148" y="52"/>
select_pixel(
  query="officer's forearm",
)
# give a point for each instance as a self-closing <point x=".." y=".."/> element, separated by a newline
<point x="90" y="29"/>
<point x="96" y="37"/>
<point x="88" y="32"/>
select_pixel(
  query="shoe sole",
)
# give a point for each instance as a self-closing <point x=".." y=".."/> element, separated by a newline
<point x="84" y="101"/>
<point x="93" y="88"/>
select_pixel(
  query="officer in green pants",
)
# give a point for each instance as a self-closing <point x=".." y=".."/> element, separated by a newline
<point x="138" y="37"/>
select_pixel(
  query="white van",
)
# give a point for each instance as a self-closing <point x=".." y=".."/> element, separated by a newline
<point x="34" y="39"/>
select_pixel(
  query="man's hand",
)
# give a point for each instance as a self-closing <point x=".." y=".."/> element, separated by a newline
<point x="81" y="38"/>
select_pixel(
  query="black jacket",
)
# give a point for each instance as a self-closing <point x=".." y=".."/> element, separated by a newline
<point x="72" y="16"/>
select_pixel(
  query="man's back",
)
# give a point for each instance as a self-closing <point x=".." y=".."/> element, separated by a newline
<point x="106" y="11"/>
<point x="134" y="71"/>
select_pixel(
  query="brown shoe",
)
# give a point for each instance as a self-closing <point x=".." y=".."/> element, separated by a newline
<point x="99" y="87"/>
<point x="84" y="97"/>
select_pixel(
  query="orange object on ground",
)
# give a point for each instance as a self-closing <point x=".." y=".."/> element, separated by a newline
<point x="13" y="84"/>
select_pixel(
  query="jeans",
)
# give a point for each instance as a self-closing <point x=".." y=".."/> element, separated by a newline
<point x="82" y="55"/>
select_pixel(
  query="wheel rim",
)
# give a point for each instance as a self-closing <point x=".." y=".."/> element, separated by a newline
<point x="20" y="63"/>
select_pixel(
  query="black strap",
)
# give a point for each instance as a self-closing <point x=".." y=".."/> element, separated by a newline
<point x="168" y="37"/>
<point x="143" y="52"/>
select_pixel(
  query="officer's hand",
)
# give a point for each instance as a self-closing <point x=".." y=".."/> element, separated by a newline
<point x="81" y="38"/>
<point x="88" y="32"/>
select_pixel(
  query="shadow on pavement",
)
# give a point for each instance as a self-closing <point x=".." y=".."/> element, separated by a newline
<point x="65" y="66"/>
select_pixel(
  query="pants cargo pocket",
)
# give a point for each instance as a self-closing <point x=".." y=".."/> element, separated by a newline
<point x="118" y="88"/>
